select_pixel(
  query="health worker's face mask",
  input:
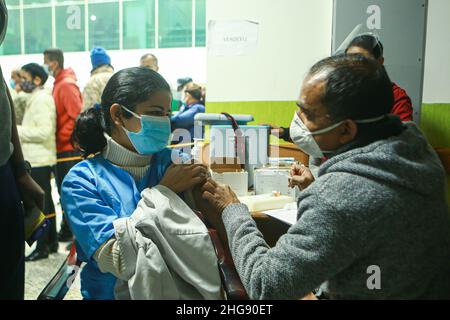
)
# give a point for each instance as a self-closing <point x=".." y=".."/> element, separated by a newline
<point x="153" y="136"/>
<point x="304" y="138"/>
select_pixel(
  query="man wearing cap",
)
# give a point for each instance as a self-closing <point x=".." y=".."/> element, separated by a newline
<point x="177" y="101"/>
<point x="16" y="186"/>
<point x="181" y="84"/>
<point x="100" y="75"/>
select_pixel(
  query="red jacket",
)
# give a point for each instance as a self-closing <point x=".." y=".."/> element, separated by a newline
<point x="402" y="104"/>
<point x="68" y="101"/>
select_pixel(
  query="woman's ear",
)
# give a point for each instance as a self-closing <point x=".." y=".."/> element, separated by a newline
<point x="348" y="131"/>
<point x="116" y="112"/>
<point x="37" y="81"/>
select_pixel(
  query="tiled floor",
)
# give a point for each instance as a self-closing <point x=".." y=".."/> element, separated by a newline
<point x="39" y="273"/>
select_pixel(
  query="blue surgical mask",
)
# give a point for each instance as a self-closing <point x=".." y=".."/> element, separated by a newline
<point x="12" y="83"/>
<point x="48" y="70"/>
<point x="153" y="136"/>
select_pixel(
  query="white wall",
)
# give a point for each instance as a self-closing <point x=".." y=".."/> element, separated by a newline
<point x="293" y="35"/>
<point x="436" y="87"/>
<point x="173" y="63"/>
<point x="296" y="33"/>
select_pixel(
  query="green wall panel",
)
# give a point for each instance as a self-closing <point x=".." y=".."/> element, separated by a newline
<point x="435" y="123"/>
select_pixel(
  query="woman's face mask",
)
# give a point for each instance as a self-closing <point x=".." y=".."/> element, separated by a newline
<point x="27" y="86"/>
<point x="153" y="136"/>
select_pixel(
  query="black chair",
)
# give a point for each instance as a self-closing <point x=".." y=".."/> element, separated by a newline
<point x="231" y="282"/>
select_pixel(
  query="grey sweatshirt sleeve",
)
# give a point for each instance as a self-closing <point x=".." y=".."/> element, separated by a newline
<point x="316" y="248"/>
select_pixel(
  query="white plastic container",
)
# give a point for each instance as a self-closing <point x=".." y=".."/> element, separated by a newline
<point x="238" y="181"/>
<point x="266" y="202"/>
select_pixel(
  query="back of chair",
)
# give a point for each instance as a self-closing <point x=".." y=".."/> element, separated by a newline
<point x="231" y="281"/>
<point x="444" y="155"/>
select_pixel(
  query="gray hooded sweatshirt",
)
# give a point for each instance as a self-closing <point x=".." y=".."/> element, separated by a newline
<point x="374" y="225"/>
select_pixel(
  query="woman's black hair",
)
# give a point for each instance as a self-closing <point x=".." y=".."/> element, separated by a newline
<point x="196" y="91"/>
<point x="127" y="87"/>
<point x="36" y="70"/>
<point x="368" y="43"/>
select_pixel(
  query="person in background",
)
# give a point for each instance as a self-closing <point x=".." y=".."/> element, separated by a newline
<point x="19" y="97"/>
<point x="177" y="101"/>
<point x="194" y="102"/>
<point x="280" y="132"/>
<point x="18" y="191"/>
<point x="181" y="85"/>
<point x="369" y="46"/>
<point x="102" y="71"/>
<point x="150" y="61"/>
<point x="14" y="82"/>
<point x="68" y="101"/>
<point x="374" y="224"/>
<point x="37" y="135"/>
<point x="127" y="134"/>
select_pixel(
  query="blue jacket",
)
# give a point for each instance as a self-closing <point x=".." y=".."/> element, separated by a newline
<point x="94" y="194"/>
<point x="184" y="119"/>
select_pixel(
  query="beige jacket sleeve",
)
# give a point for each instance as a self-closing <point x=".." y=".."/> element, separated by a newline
<point x="91" y="94"/>
<point x="109" y="259"/>
<point x="93" y="90"/>
<point x="39" y="121"/>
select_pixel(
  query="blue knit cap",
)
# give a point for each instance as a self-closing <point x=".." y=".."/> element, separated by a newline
<point x="99" y="57"/>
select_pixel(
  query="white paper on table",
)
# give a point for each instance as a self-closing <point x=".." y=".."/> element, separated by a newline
<point x="232" y="37"/>
<point x="287" y="215"/>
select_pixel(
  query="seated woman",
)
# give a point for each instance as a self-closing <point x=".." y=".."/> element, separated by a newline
<point x="370" y="47"/>
<point x="194" y="102"/>
<point x="126" y="138"/>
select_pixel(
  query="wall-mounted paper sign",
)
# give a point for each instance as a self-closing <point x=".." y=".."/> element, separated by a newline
<point x="232" y="37"/>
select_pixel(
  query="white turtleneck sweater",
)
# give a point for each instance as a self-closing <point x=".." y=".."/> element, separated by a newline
<point x="135" y="164"/>
<point x="109" y="256"/>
